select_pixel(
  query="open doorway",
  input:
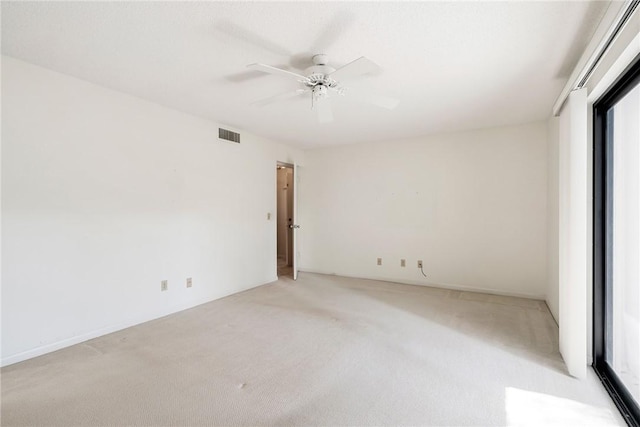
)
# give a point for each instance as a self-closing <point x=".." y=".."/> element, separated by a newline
<point x="285" y="220"/>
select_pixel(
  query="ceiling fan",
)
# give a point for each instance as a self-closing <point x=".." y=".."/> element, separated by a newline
<point x="322" y="81"/>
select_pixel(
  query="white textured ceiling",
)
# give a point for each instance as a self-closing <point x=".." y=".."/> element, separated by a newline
<point x="453" y="65"/>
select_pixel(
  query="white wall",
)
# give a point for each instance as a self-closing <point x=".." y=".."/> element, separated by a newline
<point x="104" y="195"/>
<point x="553" y="136"/>
<point x="471" y="205"/>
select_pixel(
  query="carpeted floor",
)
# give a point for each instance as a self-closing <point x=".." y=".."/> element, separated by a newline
<point x="324" y="350"/>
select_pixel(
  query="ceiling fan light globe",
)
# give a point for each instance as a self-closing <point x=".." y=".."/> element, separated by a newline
<point x="320" y="91"/>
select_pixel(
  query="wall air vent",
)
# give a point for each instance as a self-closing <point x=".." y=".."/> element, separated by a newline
<point x="228" y="135"/>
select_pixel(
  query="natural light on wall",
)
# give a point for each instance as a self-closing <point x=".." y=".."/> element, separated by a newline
<point x="530" y="408"/>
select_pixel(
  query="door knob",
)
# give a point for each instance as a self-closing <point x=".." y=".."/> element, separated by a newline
<point x="294" y="226"/>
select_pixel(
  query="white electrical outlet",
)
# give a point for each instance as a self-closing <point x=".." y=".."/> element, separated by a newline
<point x="164" y="285"/>
<point x="379" y="261"/>
<point x="189" y="282"/>
<point x="419" y="263"/>
<point x="403" y="263"/>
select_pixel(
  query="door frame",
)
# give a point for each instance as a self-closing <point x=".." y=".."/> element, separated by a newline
<point x="294" y="215"/>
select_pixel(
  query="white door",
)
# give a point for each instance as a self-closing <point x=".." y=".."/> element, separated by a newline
<point x="294" y="222"/>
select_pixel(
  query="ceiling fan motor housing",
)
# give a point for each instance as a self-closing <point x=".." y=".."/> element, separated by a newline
<point x="319" y="69"/>
<point x="320" y="59"/>
<point x="318" y="79"/>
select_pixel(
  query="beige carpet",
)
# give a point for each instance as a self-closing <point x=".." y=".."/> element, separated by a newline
<point x="323" y="350"/>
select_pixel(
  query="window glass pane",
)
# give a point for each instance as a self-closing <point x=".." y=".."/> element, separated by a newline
<point x="623" y="318"/>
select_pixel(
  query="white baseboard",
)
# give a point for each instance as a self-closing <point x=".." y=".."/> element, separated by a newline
<point x="434" y="285"/>
<point x="58" y="345"/>
<point x="67" y="342"/>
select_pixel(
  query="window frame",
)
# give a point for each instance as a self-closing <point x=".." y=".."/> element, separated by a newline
<point x="602" y="241"/>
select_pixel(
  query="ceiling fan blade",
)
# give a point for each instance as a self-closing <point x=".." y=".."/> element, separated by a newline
<point x="355" y="68"/>
<point x="323" y="108"/>
<point x="280" y="97"/>
<point x="273" y="70"/>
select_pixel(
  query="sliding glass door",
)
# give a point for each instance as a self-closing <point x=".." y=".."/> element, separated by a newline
<point x="617" y="242"/>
